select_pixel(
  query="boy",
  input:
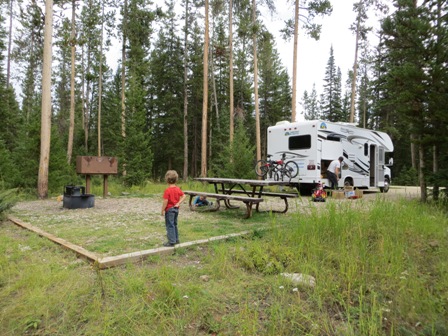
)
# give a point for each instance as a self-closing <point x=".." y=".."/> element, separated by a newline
<point x="172" y="198"/>
<point x="201" y="201"/>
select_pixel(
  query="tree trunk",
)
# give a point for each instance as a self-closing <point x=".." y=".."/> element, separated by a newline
<point x="413" y="158"/>
<point x="294" y="68"/>
<point x="100" y="81"/>
<point x="45" y="133"/>
<point x="87" y="107"/>
<point x="421" y="173"/>
<point x="8" y="66"/>
<point x="257" y="109"/>
<point x="205" y="97"/>
<point x="123" y="77"/>
<point x="231" y="125"/>
<point x="185" y="172"/>
<point x="355" y="70"/>
<point x="71" y="129"/>
<point x="83" y="89"/>
<point x="435" y="170"/>
<point x="215" y="96"/>
<point x="123" y="71"/>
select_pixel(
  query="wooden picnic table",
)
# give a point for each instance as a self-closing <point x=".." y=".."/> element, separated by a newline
<point x="250" y="188"/>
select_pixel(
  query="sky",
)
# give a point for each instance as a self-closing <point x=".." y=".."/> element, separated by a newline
<point x="313" y="55"/>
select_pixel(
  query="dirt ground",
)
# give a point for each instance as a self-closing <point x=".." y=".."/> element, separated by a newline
<point x="145" y="206"/>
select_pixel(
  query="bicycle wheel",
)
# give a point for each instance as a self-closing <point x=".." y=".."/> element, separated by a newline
<point x="293" y="168"/>
<point x="286" y="173"/>
<point x="261" y="168"/>
<point x="273" y="169"/>
<point x="277" y="175"/>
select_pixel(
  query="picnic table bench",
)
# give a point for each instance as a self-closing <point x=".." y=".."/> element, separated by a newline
<point x="248" y="201"/>
<point x="226" y="188"/>
<point x="283" y="196"/>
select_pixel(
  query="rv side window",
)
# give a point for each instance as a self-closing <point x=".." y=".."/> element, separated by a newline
<point x="300" y="142"/>
<point x="366" y="149"/>
<point x="332" y="137"/>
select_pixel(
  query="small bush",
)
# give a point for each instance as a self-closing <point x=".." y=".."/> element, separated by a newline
<point x="406" y="177"/>
<point x="7" y="200"/>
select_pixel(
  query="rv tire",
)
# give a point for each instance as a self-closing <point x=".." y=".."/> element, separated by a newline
<point x="385" y="189"/>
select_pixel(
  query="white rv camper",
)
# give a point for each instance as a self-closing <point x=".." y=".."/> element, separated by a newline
<point x="314" y="144"/>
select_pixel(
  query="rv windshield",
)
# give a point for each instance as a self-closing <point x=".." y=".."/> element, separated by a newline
<point x="300" y="142"/>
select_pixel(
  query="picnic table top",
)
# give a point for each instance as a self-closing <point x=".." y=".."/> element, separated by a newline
<point x="244" y="181"/>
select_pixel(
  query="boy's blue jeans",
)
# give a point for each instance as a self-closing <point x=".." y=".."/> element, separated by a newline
<point x="171" y="225"/>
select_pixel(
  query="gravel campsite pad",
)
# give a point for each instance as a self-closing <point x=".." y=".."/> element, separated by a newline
<point x="127" y="224"/>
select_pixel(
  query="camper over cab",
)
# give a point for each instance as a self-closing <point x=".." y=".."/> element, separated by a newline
<point x="314" y="144"/>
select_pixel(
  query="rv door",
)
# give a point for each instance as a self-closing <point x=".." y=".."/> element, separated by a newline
<point x="380" y="165"/>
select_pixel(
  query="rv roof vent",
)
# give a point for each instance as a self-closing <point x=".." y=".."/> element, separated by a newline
<point x="283" y="122"/>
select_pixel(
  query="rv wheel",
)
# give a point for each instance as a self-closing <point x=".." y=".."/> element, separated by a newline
<point x="385" y="189"/>
<point x="348" y="183"/>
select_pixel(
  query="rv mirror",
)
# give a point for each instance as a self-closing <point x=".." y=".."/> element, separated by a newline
<point x="344" y="166"/>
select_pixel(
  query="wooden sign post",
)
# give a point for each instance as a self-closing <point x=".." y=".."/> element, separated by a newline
<point x="97" y="165"/>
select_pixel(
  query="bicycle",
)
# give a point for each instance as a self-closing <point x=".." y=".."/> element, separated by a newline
<point x="277" y="168"/>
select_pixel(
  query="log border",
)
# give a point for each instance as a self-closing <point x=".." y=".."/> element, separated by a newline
<point x="113" y="261"/>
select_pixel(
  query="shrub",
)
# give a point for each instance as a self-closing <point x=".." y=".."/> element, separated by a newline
<point x="7" y="200"/>
<point x="242" y="152"/>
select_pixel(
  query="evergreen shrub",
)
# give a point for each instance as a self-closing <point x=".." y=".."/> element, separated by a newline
<point x="407" y="177"/>
<point x="237" y="158"/>
<point x="7" y="200"/>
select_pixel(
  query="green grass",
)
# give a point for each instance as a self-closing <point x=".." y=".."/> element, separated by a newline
<point x="108" y="234"/>
<point x="378" y="272"/>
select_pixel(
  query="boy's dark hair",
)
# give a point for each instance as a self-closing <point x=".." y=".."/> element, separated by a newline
<point x="171" y="177"/>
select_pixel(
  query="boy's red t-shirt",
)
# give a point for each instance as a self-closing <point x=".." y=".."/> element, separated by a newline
<point x="173" y="195"/>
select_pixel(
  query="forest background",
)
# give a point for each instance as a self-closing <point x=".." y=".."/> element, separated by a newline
<point x="150" y="112"/>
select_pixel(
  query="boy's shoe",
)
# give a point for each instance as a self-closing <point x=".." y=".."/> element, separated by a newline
<point x="167" y="244"/>
<point x="177" y="242"/>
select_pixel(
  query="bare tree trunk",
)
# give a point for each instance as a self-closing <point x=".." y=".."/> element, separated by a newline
<point x="45" y="133"/>
<point x="30" y="86"/>
<point x="355" y="71"/>
<point x="413" y="158"/>
<point x="205" y="97"/>
<point x="215" y="96"/>
<point x="231" y="125"/>
<point x="185" y="172"/>
<point x="364" y="105"/>
<point x="8" y="66"/>
<point x="210" y="137"/>
<point x="71" y="129"/>
<point x="100" y="81"/>
<point x="83" y="90"/>
<point x="87" y="108"/>
<point x="435" y="170"/>
<point x="294" y="68"/>
<point x="257" y="109"/>
<point x="421" y="173"/>
<point x="123" y="70"/>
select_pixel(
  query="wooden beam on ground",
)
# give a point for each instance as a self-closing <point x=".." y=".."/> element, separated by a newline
<point x="133" y="257"/>
<point x="78" y="249"/>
